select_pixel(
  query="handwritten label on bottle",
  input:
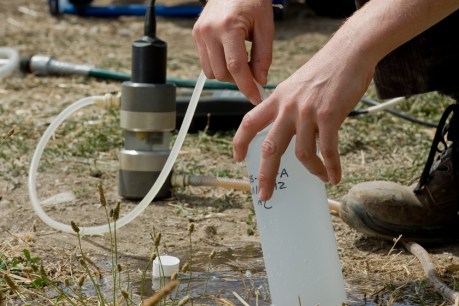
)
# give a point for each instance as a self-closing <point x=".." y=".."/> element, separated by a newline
<point x="279" y="185"/>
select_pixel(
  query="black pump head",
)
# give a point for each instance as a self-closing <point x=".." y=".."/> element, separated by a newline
<point x="149" y="53"/>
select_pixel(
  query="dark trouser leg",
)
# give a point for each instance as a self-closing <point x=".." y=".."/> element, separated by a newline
<point x="428" y="62"/>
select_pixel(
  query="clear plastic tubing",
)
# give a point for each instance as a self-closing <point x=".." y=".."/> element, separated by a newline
<point x="145" y="201"/>
<point x="12" y="62"/>
<point x="297" y="238"/>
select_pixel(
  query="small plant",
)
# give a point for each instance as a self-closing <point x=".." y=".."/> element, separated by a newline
<point x="190" y="256"/>
<point x="209" y="265"/>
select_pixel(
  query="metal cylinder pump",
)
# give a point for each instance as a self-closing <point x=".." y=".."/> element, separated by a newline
<point x="148" y="115"/>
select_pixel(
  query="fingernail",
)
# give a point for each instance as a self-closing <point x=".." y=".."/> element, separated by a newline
<point x="255" y="101"/>
<point x="263" y="77"/>
<point x="237" y="159"/>
<point x="262" y="194"/>
<point x="334" y="180"/>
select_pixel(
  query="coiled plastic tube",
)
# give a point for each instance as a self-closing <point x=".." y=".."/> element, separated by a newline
<point x="12" y="63"/>
<point x="150" y="195"/>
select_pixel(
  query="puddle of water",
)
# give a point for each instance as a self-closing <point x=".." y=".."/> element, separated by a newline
<point x="203" y="285"/>
<point x="359" y="293"/>
<point x="239" y="270"/>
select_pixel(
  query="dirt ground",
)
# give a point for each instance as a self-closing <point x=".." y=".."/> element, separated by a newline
<point x="375" y="274"/>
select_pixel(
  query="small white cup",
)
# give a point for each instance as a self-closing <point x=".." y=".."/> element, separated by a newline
<point x="165" y="266"/>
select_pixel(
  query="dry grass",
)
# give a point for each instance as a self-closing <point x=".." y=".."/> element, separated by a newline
<point x="84" y="153"/>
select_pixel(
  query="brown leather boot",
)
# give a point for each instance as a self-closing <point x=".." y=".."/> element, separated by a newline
<point x="425" y="213"/>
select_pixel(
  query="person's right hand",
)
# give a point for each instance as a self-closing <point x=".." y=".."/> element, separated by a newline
<point x="311" y="104"/>
<point x="220" y="34"/>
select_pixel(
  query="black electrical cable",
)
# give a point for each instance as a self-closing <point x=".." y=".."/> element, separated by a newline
<point x="404" y="116"/>
<point x="150" y="20"/>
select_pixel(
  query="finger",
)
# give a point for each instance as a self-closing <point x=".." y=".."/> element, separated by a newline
<point x="273" y="147"/>
<point x="217" y="61"/>
<point x="202" y="52"/>
<point x="306" y="149"/>
<point x="238" y="66"/>
<point x="261" y="52"/>
<point x="204" y="60"/>
<point x="328" y="143"/>
<point x="253" y="122"/>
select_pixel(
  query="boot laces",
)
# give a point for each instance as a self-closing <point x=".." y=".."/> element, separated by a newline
<point x="445" y="132"/>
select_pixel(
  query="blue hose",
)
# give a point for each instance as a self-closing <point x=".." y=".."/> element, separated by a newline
<point x="125" y="10"/>
<point x="57" y="8"/>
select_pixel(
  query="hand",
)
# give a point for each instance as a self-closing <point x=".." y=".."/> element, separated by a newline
<point x="311" y="104"/>
<point x="220" y="34"/>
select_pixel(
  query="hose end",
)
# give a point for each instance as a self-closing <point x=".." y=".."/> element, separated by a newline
<point x="109" y="100"/>
<point x="180" y="180"/>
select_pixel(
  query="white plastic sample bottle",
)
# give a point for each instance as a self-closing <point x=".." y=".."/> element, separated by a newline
<point x="297" y="238"/>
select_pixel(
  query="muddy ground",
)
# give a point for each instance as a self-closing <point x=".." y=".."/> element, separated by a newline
<point x="85" y="153"/>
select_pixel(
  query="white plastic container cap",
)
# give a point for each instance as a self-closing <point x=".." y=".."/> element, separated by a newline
<point x="167" y="267"/>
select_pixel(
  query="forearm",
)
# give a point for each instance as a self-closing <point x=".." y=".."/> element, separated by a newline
<point x="381" y="26"/>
